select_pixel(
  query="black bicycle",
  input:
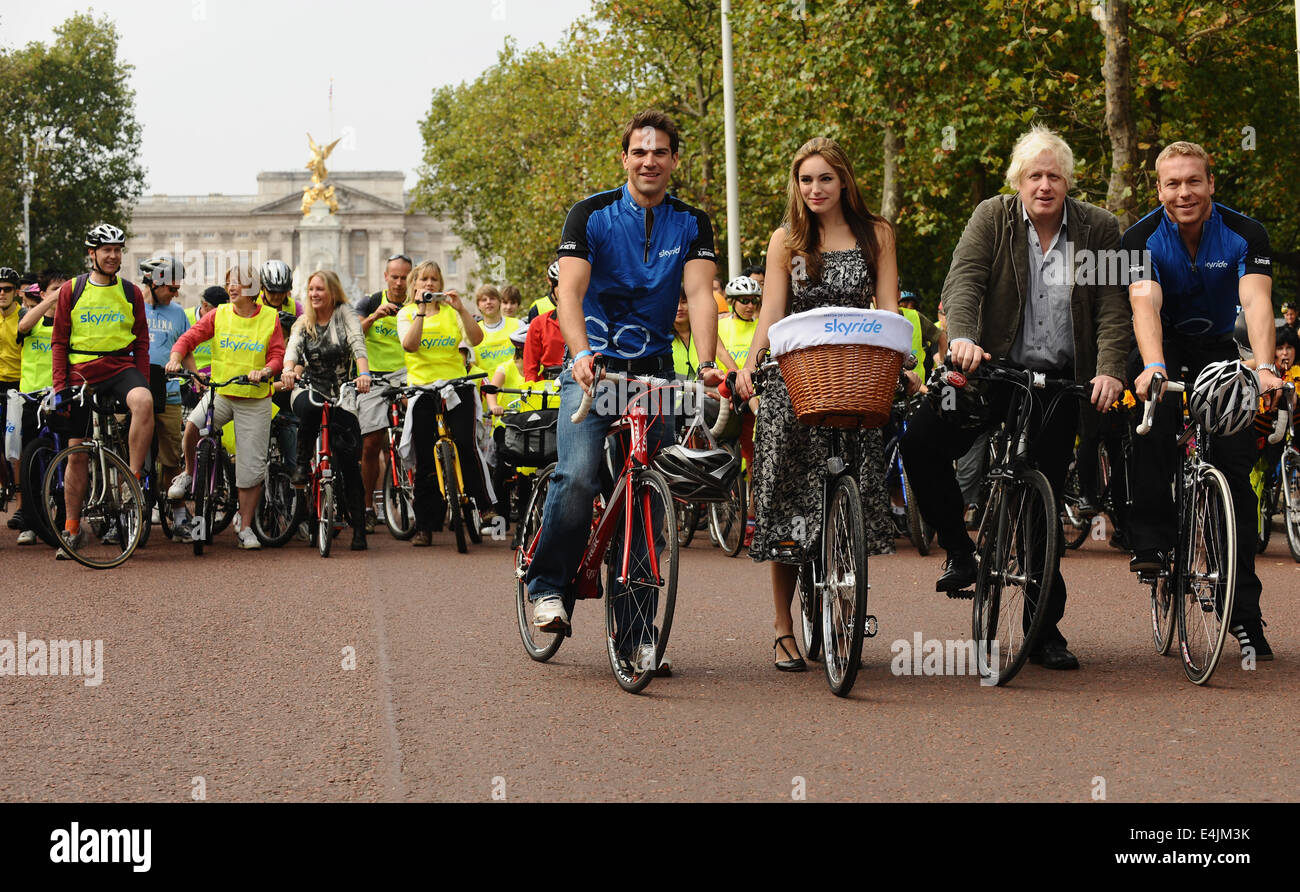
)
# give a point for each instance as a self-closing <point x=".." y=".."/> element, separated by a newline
<point x="1017" y="545"/>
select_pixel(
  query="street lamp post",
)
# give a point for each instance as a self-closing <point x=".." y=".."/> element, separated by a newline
<point x="44" y="140"/>
<point x="733" y="176"/>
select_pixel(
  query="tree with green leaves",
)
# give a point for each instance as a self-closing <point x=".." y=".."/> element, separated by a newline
<point x="71" y="101"/>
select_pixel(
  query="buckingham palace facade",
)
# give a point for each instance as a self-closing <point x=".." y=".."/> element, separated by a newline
<point x="373" y="222"/>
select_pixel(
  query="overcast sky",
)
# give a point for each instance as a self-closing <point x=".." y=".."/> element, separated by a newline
<point x="209" y="70"/>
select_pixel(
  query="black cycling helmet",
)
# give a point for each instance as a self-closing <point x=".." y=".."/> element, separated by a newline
<point x="163" y="270"/>
<point x="698" y="474"/>
<point x="8" y="274"/>
<point x="105" y="234"/>
<point x="215" y="295"/>
<point x="277" y="278"/>
<point x="959" y="400"/>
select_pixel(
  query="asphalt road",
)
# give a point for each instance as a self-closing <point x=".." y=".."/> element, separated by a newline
<point x="230" y="677"/>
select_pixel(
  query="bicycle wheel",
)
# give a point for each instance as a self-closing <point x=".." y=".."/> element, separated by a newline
<point x="325" y="517"/>
<point x="473" y="520"/>
<point x="451" y="492"/>
<point x="727" y="519"/>
<point x="1074" y="526"/>
<point x="688" y="518"/>
<point x="1265" y="505"/>
<point x="46" y="515"/>
<point x="112" y="509"/>
<point x="1207" y="576"/>
<point x="639" y="609"/>
<point x="540" y="646"/>
<point x="225" y="501"/>
<point x="810" y="611"/>
<point x="917" y="529"/>
<point x="1162" y="614"/>
<point x="1018" y="562"/>
<point x="204" y="497"/>
<point x="844" y="595"/>
<point x="276" y="518"/>
<point x="1291" y="500"/>
<point x="399" y="504"/>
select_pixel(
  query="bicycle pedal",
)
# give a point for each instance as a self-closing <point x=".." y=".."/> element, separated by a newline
<point x="870" y="626"/>
<point x="962" y="595"/>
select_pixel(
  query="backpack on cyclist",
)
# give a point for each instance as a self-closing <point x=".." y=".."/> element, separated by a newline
<point x="530" y="438"/>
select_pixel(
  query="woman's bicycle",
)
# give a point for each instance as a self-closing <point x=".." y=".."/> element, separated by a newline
<point x="215" y="498"/>
<point x="1017" y="545"/>
<point x="462" y="513"/>
<point x="399" y="480"/>
<point x="327" y="510"/>
<point x="280" y="507"/>
<point x="112" y="504"/>
<point x="632" y="543"/>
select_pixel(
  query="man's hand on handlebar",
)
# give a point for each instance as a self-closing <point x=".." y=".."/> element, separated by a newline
<point x="1270" y="387"/>
<point x="966" y="355"/>
<point x="712" y="377"/>
<point x="1142" y="386"/>
<point x="363" y="383"/>
<point x="582" y="372"/>
<point x="1105" y="390"/>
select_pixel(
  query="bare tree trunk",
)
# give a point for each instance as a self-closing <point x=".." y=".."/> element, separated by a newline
<point x="1120" y="195"/>
<point x="889" y="186"/>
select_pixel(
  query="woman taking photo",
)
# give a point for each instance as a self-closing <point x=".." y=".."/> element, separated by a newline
<point x="325" y="342"/>
<point x="830" y="251"/>
<point x="431" y="329"/>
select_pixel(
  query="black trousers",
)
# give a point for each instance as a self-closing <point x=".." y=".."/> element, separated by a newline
<point x="933" y="443"/>
<point x="1096" y="429"/>
<point x="429" y="503"/>
<point x="1152" y="521"/>
<point x="345" y="449"/>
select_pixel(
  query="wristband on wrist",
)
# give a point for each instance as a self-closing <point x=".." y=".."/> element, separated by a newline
<point x="1152" y="365"/>
<point x="582" y="353"/>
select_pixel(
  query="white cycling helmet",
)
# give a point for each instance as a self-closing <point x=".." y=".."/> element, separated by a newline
<point x="744" y="286"/>
<point x="697" y="474"/>
<point x="1225" y="397"/>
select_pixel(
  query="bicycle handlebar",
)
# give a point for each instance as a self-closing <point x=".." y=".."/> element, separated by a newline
<point x="206" y="381"/>
<point x="1154" y="394"/>
<point x="1283" y="415"/>
<point x="724" y="409"/>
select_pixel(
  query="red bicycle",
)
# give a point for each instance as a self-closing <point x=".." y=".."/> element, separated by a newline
<point x="324" y="495"/>
<point x="632" y="543"/>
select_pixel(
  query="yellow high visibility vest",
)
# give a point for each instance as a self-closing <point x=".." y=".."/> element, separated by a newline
<point x="102" y="321"/>
<point x="439" y="355"/>
<point x="38" y="359"/>
<point x="383" y="346"/>
<point x="239" y="345"/>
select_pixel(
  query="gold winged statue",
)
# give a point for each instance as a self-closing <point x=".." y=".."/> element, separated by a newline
<point x="318" y="191"/>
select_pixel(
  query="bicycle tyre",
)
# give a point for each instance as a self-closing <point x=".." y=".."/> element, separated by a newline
<point x="688" y="518"/>
<point x="810" y="611"/>
<point x="451" y="493"/>
<point x="45" y="515"/>
<point x="119" y="506"/>
<point x="1020" y="553"/>
<point x="325" y="517"/>
<point x="625" y="612"/>
<point x="1162" y="613"/>
<point x="1074" y="527"/>
<point x="276" y="519"/>
<point x="399" y="505"/>
<point x="917" y="530"/>
<point x="727" y="519"/>
<point x="226" y="501"/>
<point x="1291" y="499"/>
<point x="204" y="496"/>
<point x="844" y="594"/>
<point x="539" y="646"/>
<point x="1211" y="555"/>
<point x="1264" y="506"/>
<point x="473" y="520"/>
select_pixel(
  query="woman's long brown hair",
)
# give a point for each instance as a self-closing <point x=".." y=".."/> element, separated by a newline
<point x="804" y="235"/>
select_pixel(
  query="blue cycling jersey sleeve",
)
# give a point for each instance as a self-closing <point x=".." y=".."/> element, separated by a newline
<point x="637" y="256"/>
<point x="1200" y="295"/>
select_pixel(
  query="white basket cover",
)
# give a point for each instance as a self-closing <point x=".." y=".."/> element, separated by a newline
<point x="841" y="325"/>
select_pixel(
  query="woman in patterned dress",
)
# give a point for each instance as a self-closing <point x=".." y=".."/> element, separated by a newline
<point x="830" y="251"/>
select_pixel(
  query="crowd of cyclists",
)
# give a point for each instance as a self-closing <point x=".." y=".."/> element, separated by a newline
<point x="634" y="286"/>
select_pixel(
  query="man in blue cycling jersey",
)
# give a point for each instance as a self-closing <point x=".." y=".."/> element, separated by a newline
<point x="624" y="256"/>
<point x="1203" y="259"/>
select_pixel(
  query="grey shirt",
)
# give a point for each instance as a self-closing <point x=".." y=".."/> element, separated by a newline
<point x="1046" y="336"/>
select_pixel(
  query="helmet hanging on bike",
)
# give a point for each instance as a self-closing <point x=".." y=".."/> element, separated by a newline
<point x="959" y="400"/>
<point x="1225" y="397"/>
<point x="698" y="474"/>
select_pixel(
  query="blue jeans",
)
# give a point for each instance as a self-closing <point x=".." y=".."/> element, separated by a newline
<point x="566" y="517"/>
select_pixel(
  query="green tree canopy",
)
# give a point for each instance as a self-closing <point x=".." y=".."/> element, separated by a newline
<point x="71" y="97"/>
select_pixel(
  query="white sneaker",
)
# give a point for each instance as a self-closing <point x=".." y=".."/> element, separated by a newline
<point x="28" y="537"/>
<point x="156" y="516"/>
<point x="549" y="615"/>
<point x="248" y="539"/>
<point x="643" y="660"/>
<point x="181" y="531"/>
<point x="180" y="487"/>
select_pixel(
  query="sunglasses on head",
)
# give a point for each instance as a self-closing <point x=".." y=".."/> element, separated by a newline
<point x="398" y="257"/>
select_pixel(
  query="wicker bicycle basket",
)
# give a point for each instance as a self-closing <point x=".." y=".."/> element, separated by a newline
<point x="842" y="385"/>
